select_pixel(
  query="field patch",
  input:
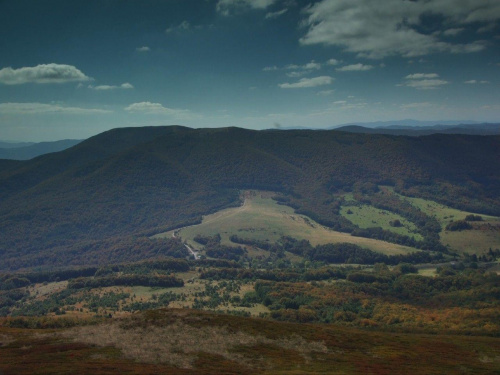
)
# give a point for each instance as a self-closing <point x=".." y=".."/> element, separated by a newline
<point x="263" y="219"/>
<point x="445" y="214"/>
<point x="365" y="216"/>
<point x="484" y="235"/>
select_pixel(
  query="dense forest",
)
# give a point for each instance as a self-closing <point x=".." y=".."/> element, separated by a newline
<point x="98" y="201"/>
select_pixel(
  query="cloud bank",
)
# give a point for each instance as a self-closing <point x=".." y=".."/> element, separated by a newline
<point x="308" y="82"/>
<point x="123" y="86"/>
<point x="158" y="109"/>
<point x="228" y="7"/>
<point x="376" y="29"/>
<point x="44" y="73"/>
<point x="424" y="81"/>
<point x="355" y="68"/>
<point x="41" y="108"/>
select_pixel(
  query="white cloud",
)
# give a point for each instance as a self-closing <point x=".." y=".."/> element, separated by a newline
<point x="345" y="105"/>
<point x="421" y="75"/>
<point x="333" y="62"/>
<point x="44" y="73"/>
<point x="123" y="86"/>
<point x="143" y="49"/>
<point x="158" y="109"/>
<point x="228" y="7"/>
<point x="424" y="81"/>
<point x="308" y="82"/>
<point x="415" y="105"/>
<point x="297" y="74"/>
<point x="487" y="28"/>
<point x="355" y="68"/>
<point x="277" y="14"/>
<point x="313" y="65"/>
<point x="183" y="26"/>
<point x="453" y="31"/>
<point x="473" y="82"/>
<point x="426" y="84"/>
<point x="376" y="29"/>
<point x="270" y="68"/>
<point x="41" y="108"/>
<point x="325" y="92"/>
<point x="298" y="70"/>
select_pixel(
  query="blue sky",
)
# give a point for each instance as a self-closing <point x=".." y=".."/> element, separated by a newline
<point x="72" y="69"/>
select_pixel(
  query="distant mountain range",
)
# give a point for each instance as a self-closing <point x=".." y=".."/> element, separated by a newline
<point x="410" y="123"/>
<point x="470" y="129"/>
<point x="29" y="150"/>
<point x="412" y="127"/>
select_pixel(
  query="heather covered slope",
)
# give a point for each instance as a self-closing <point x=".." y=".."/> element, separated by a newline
<point x="193" y="342"/>
<point x="140" y="181"/>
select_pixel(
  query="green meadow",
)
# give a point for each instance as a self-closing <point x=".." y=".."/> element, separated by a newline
<point x="261" y="218"/>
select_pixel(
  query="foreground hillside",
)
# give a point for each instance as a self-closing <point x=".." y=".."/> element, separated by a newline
<point x="191" y="342"/>
<point x="95" y="202"/>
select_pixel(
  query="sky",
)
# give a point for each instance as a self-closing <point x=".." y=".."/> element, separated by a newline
<point x="73" y="69"/>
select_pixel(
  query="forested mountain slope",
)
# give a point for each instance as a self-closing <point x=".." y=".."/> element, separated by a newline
<point x="138" y="181"/>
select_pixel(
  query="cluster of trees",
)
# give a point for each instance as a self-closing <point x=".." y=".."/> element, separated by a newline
<point x="214" y="295"/>
<point x="165" y="281"/>
<point x="161" y="300"/>
<point x="214" y="249"/>
<point x="264" y="245"/>
<point x="165" y="265"/>
<point x="473" y="217"/>
<point x="458" y="225"/>
<point x="350" y="253"/>
<point x="466" y="299"/>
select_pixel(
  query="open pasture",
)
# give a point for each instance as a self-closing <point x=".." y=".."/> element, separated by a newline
<point x="366" y="216"/>
<point x="484" y="235"/>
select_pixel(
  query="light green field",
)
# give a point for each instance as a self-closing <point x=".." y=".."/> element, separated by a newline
<point x="261" y="218"/>
<point x="485" y="235"/>
<point x="368" y="216"/>
<point x="445" y="214"/>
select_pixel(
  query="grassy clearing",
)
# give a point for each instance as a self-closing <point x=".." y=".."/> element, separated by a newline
<point x="42" y="290"/>
<point x="474" y="241"/>
<point x="427" y="271"/>
<point x="484" y="235"/>
<point x="367" y="216"/>
<point x="445" y="214"/>
<point x="261" y="218"/>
